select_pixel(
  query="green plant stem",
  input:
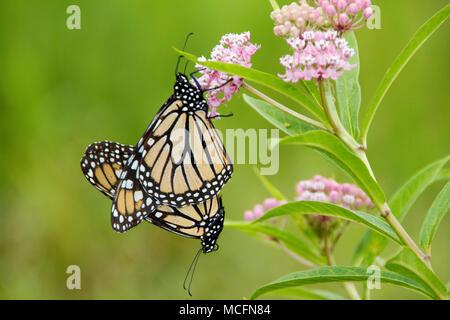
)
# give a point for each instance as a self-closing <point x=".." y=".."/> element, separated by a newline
<point x="296" y="257"/>
<point x="338" y="235"/>
<point x="349" y="286"/>
<point x="284" y="108"/>
<point x="274" y="4"/>
<point x="332" y="116"/>
<point x="383" y="208"/>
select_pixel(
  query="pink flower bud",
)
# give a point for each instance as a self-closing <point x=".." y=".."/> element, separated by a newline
<point x="329" y="10"/>
<point x="343" y="19"/>
<point x="306" y="195"/>
<point x="300" y="22"/>
<point x="334" y="197"/>
<point x="248" y="215"/>
<point x="294" y="32"/>
<point x="298" y="188"/>
<point x="346" y="187"/>
<point x="358" y="203"/>
<point x="367" y="13"/>
<point x="348" y="199"/>
<point x="258" y="211"/>
<point x="318" y="178"/>
<point x="352" y="9"/>
<point x="270" y="203"/>
<point x="365" y="4"/>
<point x="368" y="203"/>
<point x="278" y="31"/>
<point x="341" y="4"/>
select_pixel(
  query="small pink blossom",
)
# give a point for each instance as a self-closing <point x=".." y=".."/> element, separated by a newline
<point x="233" y="48"/>
<point x="291" y="20"/>
<point x="345" y="15"/>
<point x="317" y="54"/>
<point x="322" y="189"/>
<point x="259" y="210"/>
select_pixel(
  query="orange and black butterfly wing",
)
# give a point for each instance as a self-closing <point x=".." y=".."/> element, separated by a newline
<point x="203" y="221"/>
<point x="131" y="204"/>
<point x="183" y="160"/>
<point x="102" y="164"/>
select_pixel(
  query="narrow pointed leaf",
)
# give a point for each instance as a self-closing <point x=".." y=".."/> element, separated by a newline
<point x="418" y="39"/>
<point x="307" y="294"/>
<point x="407" y="263"/>
<point x="438" y="210"/>
<point x="335" y="274"/>
<point x="278" y="118"/>
<point x="348" y="91"/>
<point x="332" y="210"/>
<point x="372" y="244"/>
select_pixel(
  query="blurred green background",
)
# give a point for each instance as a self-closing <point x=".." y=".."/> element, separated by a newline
<point x="62" y="89"/>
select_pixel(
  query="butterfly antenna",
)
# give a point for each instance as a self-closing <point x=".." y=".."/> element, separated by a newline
<point x="192" y="266"/>
<point x="181" y="56"/>
<point x="222" y="85"/>
<point x="222" y="115"/>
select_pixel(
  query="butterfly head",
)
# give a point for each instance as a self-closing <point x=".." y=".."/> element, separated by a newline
<point x="189" y="94"/>
<point x="212" y="232"/>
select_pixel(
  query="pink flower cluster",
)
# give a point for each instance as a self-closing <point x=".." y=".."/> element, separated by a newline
<point x="291" y="20"/>
<point x="322" y="189"/>
<point x="317" y="54"/>
<point x="259" y="210"/>
<point x="343" y="14"/>
<point x="233" y="48"/>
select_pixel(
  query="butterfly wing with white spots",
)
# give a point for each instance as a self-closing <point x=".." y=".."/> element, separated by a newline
<point x="183" y="160"/>
<point x="131" y="204"/>
<point x="102" y="164"/>
<point x="203" y="221"/>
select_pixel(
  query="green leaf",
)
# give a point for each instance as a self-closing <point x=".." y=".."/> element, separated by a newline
<point x="407" y="263"/>
<point x="270" y="187"/>
<point x="294" y="243"/>
<point x="333" y="148"/>
<point x="307" y="294"/>
<point x="265" y="79"/>
<point x="438" y="210"/>
<point x="372" y="244"/>
<point x="283" y="121"/>
<point x="348" y="91"/>
<point x="418" y="39"/>
<point x="328" y="209"/>
<point x="335" y="274"/>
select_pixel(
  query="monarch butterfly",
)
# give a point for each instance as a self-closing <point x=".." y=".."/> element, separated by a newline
<point x="182" y="159"/>
<point x="108" y="166"/>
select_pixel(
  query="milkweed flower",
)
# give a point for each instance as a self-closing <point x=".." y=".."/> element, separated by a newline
<point x="292" y="20"/>
<point x="345" y="15"/>
<point x="233" y="48"/>
<point x="260" y="209"/>
<point x="317" y="54"/>
<point x="322" y="189"/>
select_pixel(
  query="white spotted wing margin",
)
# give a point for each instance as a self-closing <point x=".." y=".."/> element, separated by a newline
<point x="131" y="204"/>
<point x="203" y="221"/>
<point x="183" y="160"/>
<point x="102" y="164"/>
